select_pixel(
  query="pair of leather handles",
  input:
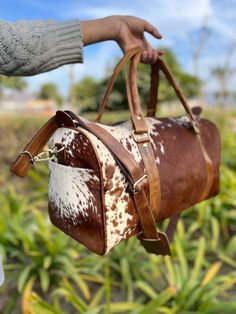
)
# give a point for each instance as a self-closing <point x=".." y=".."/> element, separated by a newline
<point x="133" y="55"/>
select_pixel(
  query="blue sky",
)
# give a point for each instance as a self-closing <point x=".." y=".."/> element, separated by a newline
<point x="178" y="21"/>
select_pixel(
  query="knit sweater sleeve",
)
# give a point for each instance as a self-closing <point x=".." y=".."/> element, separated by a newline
<point x="33" y="47"/>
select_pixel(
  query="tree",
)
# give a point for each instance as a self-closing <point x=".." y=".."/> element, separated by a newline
<point x="50" y="91"/>
<point x="223" y="74"/>
<point x="188" y="83"/>
<point x="14" y="83"/>
<point x="198" y="42"/>
<point x="87" y="93"/>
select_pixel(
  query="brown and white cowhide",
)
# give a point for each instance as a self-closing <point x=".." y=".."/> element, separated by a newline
<point x="89" y="197"/>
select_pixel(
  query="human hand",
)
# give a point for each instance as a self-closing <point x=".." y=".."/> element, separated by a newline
<point x="127" y="31"/>
<point x="131" y="35"/>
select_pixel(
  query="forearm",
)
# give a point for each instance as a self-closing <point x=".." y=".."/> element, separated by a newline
<point x="33" y="47"/>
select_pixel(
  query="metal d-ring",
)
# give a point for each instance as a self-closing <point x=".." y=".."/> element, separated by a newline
<point x="25" y="152"/>
<point x="44" y="155"/>
<point x="48" y="154"/>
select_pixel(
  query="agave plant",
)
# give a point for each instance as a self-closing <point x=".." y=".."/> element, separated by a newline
<point x="171" y="285"/>
<point x="35" y="251"/>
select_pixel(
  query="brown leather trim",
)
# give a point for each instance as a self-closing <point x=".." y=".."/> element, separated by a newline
<point x="153" y="177"/>
<point x="209" y="169"/>
<point x="153" y="93"/>
<point x="101" y="188"/>
<point x="144" y="147"/>
<point x="23" y="162"/>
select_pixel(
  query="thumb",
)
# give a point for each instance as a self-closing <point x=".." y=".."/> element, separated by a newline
<point x="152" y="30"/>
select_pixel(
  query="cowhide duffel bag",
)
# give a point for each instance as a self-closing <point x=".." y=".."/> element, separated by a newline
<point x="108" y="183"/>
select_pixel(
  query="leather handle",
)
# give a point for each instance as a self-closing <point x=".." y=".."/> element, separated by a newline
<point x="128" y="55"/>
<point x="137" y="117"/>
<point x="155" y="69"/>
<point x="153" y="85"/>
<point x="170" y="77"/>
<point x="167" y="72"/>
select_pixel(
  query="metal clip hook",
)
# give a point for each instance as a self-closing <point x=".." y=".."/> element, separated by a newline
<point x="45" y="155"/>
<point x="48" y="154"/>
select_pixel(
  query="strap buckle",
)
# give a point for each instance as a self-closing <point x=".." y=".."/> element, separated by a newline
<point x="141" y="137"/>
<point x="45" y="155"/>
<point x="158" y="246"/>
<point x="135" y="189"/>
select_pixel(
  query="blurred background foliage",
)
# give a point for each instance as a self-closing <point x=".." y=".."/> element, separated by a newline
<point x="47" y="272"/>
<point x="88" y="91"/>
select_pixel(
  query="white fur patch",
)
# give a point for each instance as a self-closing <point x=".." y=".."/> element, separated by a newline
<point x="183" y="120"/>
<point x="64" y="136"/>
<point x="117" y="218"/>
<point x="69" y="191"/>
<point x="123" y="133"/>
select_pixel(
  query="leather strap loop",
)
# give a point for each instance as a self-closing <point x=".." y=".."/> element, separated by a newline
<point x="153" y="86"/>
<point x="155" y="68"/>
<point x="24" y="162"/>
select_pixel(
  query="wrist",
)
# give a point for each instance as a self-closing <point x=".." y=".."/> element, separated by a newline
<point x="100" y="30"/>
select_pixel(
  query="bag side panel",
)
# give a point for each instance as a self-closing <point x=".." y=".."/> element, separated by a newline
<point x="75" y="188"/>
<point x="182" y="168"/>
<point x="121" y="220"/>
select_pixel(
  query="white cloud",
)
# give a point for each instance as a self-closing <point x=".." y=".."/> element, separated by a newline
<point x="175" y="19"/>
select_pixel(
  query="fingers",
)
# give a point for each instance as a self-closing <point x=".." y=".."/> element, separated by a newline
<point x="150" y="55"/>
<point x="152" y="30"/>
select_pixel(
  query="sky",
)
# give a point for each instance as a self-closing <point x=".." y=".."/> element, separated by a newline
<point x="178" y="21"/>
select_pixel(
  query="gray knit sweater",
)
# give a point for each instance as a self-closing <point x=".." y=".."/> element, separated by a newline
<point x="32" y="47"/>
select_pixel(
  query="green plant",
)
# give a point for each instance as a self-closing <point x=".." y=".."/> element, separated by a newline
<point x="34" y="249"/>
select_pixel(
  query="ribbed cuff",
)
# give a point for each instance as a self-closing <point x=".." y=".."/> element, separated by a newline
<point x="67" y="45"/>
